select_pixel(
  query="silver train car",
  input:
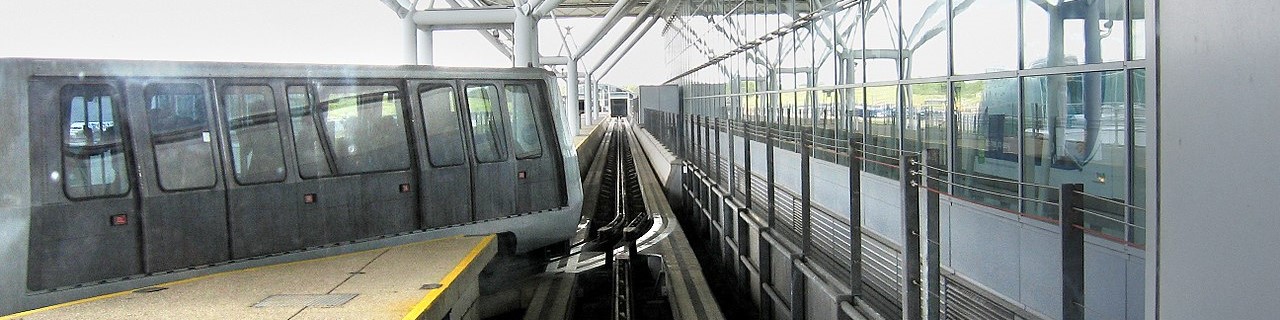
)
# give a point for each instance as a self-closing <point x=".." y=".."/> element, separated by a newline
<point x="116" y="175"/>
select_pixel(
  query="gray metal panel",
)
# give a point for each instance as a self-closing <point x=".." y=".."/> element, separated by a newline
<point x="881" y="206"/>
<point x="71" y="241"/>
<point x="15" y="184"/>
<point x="383" y="208"/>
<point x="494" y="184"/>
<point x="444" y="193"/>
<point x="980" y="248"/>
<point x="264" y="219"/>
<point x="1217" y="210"/>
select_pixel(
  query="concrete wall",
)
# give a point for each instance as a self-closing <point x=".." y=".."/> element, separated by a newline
<point x="1217" y="207"/>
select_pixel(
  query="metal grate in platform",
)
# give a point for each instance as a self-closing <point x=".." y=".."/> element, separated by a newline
<point x="305" y="300"/>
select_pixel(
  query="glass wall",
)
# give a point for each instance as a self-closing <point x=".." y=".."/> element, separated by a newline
<point x="966" y="78"/>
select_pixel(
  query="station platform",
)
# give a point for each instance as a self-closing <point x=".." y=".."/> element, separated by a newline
<point x="434" y="279"/>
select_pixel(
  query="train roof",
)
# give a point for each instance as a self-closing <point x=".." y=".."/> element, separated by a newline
<point x="154" y="68"/>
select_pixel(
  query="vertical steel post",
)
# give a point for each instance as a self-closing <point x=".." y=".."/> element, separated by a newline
<point x="806" y="183"/>
<point x="1072" y="251"/>
<point x="855" y="215"/>
<point x="933" y="233"/>
<point x="908" y="167"/>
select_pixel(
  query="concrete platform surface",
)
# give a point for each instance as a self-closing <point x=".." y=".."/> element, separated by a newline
<point x="428" y="279"/>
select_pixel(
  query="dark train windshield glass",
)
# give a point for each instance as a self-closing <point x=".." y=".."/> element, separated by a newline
<point x="523" y="121"/>
<point x="93" y="153"/>
<point x="486" y="123"/>
<point x="444" y="135"/>
<point x="180" y="134"/>
<point x="254" y="134"/>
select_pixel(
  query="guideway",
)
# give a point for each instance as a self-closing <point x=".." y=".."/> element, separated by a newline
<point x="424" y="280"/>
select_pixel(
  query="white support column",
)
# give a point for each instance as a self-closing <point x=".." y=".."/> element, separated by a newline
<point x="523" y="28"/>
<point x="571" y="97"/>
<point x="426" y="47"/>
<point x="410" y="37"/>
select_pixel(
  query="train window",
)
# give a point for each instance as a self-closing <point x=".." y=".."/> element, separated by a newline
<point x="363" y="127"/>
<point x="523" y="121"/>
<point x="256" y="154"/>
<point x="444" y="135"/>
<point x="306" y="138"/>
<point x="180" y="135"/>
<point x="93" y="152"/>
<point x="486" y="123"/>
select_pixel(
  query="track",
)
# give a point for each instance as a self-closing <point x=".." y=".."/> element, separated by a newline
<point x="634" y="261"/>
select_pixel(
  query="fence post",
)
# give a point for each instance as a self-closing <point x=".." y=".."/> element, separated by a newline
<point x="1072" y="222"/>
<point x="933" y="232"/>
<point x="855" y="215"/>
<point x="908" y="169"/>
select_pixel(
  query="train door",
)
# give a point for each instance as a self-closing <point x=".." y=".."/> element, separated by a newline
<point x="539" y="184"/>
<point x="184" y="216"/>
<point x="494" y="167"/>
<point x="84" y="219"/>
<point x="353" y="158"/>
<point x="442" y="156"/>
<point x="262" y="209"/>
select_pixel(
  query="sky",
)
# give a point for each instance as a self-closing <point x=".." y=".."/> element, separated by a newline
<point x="297" y="31"/>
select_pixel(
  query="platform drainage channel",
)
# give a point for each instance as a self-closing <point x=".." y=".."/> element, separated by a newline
<point x="305" y="300"/>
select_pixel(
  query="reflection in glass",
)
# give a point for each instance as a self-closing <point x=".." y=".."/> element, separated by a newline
<point x="520" y="110"/>
<point x="312" y="153"/>
<point x="444" y="134"/>
<point x="1138" y="24"/>
<point x="254" y="133"/>
<point x="986" y="141"/>
<point x="926" y="121"/>
<point x="1075" y="131"/>
<point x="882" y="131"/>
<point x="924" y="25"/>
<point x="486" y="132"/>
<point x="179" y="128"/>
<point x="363" y="127"/>
<point x="1138" y="154"/>
<point x="93" y="153"/>
<point x="882" y="53"/>
<point x="1061" y="33"/>
<point x="986" y="35"/>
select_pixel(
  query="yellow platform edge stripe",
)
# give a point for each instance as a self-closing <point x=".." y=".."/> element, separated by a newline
<point x="426" y="302"/>
<point x="19" y="315"/>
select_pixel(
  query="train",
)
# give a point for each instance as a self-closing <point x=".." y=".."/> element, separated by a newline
<point x="119" y="174"/>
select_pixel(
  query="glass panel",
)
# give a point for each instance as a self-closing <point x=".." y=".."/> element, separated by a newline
<point x="180" y="133"/>
<point x="881" y="56"/>
<point x="444" y="135"/>
<point x="256" y="155"/>
<point x="364" y="128"/>
<point x="849" y="27"/>
<point x="1138" y="153"/>
<point x="314" y="155"/>
<point x="856" y="121"/>
<point x="1075" y="129"/>
<point x="1063" y="33"/>
<point x="882" y="131"/>
<point x="486" y="123"/>
<point x="985" y="34"/>
<point x="986" y="141"/>
<point x="93" y="152"/>
<point x="926" y="120"/>
<point x="1138" y="24"/>
<point x="523" y="120"/>
<point x="924" y="26"/>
